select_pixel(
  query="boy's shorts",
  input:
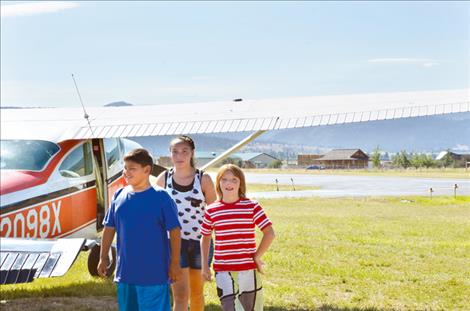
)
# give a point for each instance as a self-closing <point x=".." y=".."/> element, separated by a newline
<point x="143" y="297"/>
<point x="241" y="290"/>
<point x="190" y="255"/>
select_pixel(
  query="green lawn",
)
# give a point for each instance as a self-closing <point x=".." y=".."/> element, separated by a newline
<point x="408" y="253"/>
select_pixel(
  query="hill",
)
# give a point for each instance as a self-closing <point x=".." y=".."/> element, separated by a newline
<point x="424" y="134"/>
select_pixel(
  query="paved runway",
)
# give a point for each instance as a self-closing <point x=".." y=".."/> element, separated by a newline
<point x="351" y="185"/>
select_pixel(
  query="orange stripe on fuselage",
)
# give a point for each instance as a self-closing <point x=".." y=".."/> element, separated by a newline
<point x="116" y="185"/>
<point x="51" y="218"/>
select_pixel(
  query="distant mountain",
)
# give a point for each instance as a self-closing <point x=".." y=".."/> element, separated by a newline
<point x="159" y="145"/>
<point x="423" y="134"/>
<point x="18" y="107"/>
<point x="118" y="104"/>
<point x="113" y="104"/>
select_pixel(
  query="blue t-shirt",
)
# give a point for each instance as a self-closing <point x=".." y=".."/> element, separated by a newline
<point x="141" y="221"/>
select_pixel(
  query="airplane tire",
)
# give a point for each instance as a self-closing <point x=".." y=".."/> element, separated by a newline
<point x="94" y="259"/>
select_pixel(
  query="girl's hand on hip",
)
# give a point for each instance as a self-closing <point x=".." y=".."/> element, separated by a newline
<point x="259" y="264"/>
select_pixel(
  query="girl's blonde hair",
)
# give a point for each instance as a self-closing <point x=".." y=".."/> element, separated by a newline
<point x="235" y="171"/>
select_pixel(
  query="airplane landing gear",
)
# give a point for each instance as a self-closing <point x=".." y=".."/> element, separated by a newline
<point x="94" y="258"/>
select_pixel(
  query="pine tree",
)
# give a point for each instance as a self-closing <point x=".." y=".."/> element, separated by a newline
<point x="375" y="158"/>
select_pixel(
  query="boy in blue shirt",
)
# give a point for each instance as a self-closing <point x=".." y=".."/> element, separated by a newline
<point x="141" y="216"/>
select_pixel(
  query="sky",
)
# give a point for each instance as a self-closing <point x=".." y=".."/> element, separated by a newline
<point x="149" y="53"/>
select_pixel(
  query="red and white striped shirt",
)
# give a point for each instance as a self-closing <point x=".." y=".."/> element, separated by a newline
<point x="234" y="226"/>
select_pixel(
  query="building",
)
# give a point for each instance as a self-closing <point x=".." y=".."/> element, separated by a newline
<point x="459" y="160"/>
<point x="164" y="161"/>
<point x="255" y="159"/>
<point x="248" y="159"/>
<point x="204" y="157"/>
<point x="343" y="158"/>
<point x="307" y="159"/>
<point x="201" y="158"/>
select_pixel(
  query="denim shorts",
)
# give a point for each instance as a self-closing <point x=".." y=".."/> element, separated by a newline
<point x="190" y="256"/>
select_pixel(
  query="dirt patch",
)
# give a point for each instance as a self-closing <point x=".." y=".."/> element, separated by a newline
<point x="60" y="303"/>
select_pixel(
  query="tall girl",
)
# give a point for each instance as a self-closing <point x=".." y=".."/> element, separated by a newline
<point x="192" y="190"/>
<point x="237" y="260"/>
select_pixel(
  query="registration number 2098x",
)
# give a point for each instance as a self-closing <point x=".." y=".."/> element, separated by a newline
<point x="37" y="222"/>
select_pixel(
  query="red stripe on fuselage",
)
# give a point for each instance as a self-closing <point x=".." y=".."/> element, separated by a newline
<point x="16" y="180"/>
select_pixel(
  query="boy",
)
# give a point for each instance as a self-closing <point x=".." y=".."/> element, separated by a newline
<point x="141" y="216"/>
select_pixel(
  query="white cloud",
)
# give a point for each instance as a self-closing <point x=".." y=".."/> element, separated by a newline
<point x="425" y="62"/>
<point x="430" y="64"/>
<point x="34" y="8"/>
<point x="460" y="147"/>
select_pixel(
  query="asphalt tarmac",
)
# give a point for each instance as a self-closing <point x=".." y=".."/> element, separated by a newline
<point x="357" y="185"/>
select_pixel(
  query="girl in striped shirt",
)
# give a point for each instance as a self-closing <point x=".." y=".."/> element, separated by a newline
<point x="237" y="260"/>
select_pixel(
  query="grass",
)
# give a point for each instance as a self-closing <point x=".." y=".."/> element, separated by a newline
<point x="399" y="253"/>
<point x="424" y="173"/>
<point x="77" y="282"/>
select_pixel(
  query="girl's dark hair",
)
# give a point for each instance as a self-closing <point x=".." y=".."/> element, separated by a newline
<point x="185" y="140"/>
<point x="139" y="156"/>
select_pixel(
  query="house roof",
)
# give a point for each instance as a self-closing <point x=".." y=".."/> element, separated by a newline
<point x="247" y="156"/>
<point x="441" y="155"/>
<point x="206" y="154"/>
<point x="454" y="155"/>
<point x="342" y="154"/>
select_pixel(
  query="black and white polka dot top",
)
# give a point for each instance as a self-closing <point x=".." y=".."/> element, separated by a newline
<point x="190" y="202"/>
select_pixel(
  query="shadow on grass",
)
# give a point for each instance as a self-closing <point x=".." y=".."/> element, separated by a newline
<point x="94" y="290"/>
<point x="76" y="289"/>
<point x="328" y="307"/>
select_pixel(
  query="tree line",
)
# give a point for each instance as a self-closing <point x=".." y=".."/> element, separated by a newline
<point x="403" y="159"/>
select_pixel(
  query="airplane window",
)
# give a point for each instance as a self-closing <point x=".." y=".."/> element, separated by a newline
<point x="129" y="145"/>
<point x="121" y="147"/>
<point x="111" y="148"/>
<point x="30" y="155"/>
<point x="78" y="163"/>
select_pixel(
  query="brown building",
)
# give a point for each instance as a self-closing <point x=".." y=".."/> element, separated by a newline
<point x="165" y="161"/>
<point x="343" y="158"/>
<point x="307" y="159"/>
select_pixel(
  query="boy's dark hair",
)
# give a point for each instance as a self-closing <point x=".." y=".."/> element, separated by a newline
<point x="140" y="156"/>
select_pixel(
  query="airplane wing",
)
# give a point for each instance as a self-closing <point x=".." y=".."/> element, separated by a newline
<point x="42" y="259"/>
<point x="58" y="124"/>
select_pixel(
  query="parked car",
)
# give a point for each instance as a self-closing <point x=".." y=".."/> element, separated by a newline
<point x="315" y="167"/>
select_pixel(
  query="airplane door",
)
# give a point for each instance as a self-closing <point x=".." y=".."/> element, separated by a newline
<point x="114" y="154"/>
<point x="101" y="187"/>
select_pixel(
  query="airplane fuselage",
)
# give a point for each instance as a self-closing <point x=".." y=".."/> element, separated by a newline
<point x="67" y="197"/>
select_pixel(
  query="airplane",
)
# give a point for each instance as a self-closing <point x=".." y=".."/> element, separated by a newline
<point x="59" y="168"/>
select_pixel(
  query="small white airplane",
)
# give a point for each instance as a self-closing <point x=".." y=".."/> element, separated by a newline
<point x="59" y="168"/>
